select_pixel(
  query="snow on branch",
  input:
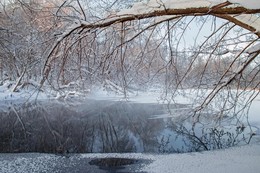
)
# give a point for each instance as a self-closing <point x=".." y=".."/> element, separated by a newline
<point x="239" y="12"/>
<point x="155" y="8"/>
<point x="180" y="8"/>
<point x="233" y="11"/>
<point x="157" y="5"/>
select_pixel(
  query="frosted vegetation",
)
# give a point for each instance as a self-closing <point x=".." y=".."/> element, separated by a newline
<point x="198" y="59"/>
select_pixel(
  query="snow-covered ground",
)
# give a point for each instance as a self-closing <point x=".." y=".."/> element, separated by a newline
<point x="244" y="159"/>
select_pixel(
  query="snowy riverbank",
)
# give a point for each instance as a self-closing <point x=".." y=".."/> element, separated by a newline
<point x="244" y="159"/>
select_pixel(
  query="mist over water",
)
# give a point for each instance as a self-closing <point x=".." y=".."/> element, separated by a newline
<point x="103" y="127"/>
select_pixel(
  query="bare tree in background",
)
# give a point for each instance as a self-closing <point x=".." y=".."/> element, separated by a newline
<point x="26" y="32"/>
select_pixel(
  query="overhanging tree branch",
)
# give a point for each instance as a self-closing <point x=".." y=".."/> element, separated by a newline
<point x="222" y="11"/>
<point x="201" y="11"/>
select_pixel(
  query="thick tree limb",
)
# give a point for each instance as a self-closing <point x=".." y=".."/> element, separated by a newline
<point x="183" y="12"/>
<point x="221" y="11"/>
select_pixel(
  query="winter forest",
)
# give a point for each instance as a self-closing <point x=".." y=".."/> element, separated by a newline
<point x="198" y="60"/>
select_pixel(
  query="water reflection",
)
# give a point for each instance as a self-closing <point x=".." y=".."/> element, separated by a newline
<point x="102" y="126"/>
